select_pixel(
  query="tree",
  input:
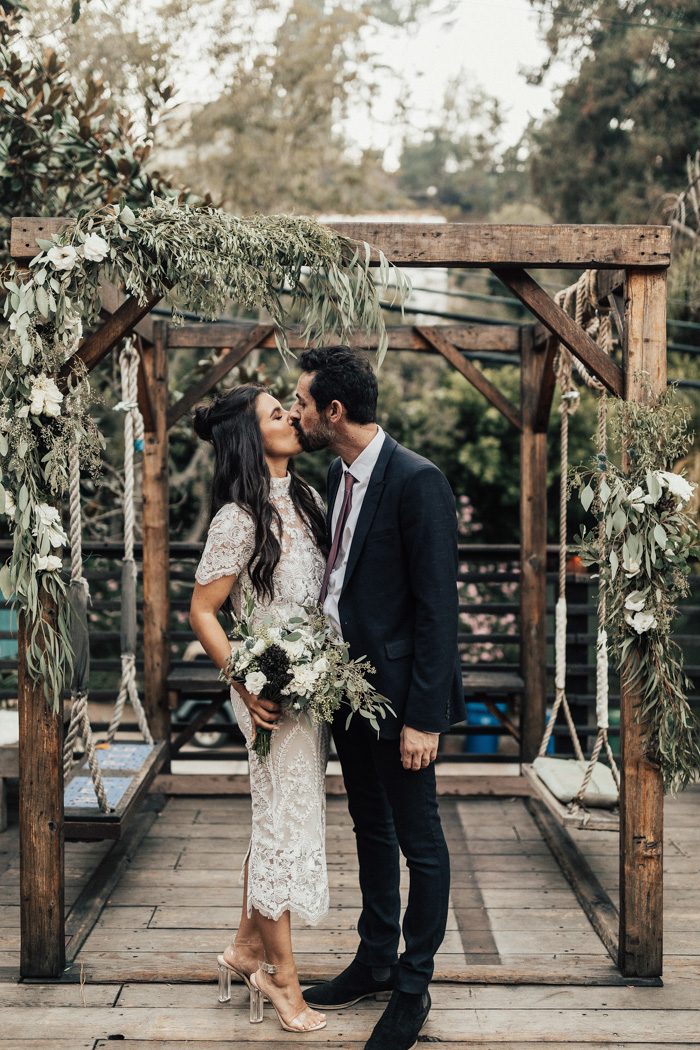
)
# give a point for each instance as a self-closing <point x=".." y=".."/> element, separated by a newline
<point x="619" y="136"/>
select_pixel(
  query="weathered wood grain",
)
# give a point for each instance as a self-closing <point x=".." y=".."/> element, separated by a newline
<point x="463" y="244"/>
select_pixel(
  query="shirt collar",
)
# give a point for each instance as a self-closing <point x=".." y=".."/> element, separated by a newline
<point x="365" y="463"/>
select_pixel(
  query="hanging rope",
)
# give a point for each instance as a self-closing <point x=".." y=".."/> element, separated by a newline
<point x="79" y="731"/>
<point x="133" y="441"/>
<point x="580" y="300"/>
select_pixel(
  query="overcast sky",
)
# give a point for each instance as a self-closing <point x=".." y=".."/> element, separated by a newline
<point x="489" y="41"/>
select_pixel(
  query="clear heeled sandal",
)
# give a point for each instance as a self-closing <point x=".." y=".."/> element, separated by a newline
<point x="257" y="999"/>
<point x="226" y="970"/>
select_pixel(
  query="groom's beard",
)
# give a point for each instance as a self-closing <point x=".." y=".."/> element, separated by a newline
<point x="313" y="440"/>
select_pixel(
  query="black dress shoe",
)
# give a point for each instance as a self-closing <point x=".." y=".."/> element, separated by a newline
<point x="401" y="1022"/>
<point x="356" y="982"/>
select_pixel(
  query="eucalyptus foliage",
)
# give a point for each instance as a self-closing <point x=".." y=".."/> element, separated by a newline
<point x="196" y="258"/>
<point x="643" y="558"/>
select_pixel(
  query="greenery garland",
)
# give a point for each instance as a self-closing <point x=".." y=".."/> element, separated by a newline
<point x="643" y="562"/>
<point x="195" y="258"/>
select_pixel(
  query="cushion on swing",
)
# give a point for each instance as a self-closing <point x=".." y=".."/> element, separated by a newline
<point x="563" y="777"/>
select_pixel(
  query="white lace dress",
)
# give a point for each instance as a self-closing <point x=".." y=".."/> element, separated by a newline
<point x="287" y="855"/>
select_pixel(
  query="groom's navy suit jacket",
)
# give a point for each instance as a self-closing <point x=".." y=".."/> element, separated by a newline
<point x="399" y="604"/>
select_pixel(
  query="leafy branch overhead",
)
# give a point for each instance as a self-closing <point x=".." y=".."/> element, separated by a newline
<point x="196" y="258"/>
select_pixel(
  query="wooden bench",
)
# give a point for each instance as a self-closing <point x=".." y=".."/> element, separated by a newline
<point x="195" y="681"/>
<point x="491" y="687"/>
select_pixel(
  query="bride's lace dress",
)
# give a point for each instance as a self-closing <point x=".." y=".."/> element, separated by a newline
<point x="287" y="857"/>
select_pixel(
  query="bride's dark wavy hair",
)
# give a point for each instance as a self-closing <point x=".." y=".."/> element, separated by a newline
<point x="241" y="476"/>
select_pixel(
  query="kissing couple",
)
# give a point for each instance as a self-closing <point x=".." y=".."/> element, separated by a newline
<point x="380" y="557"/>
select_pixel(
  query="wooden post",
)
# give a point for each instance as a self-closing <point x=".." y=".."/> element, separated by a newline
<point x="533" y="553"/>
<point x="641" y="796"/>
<point x="156" y="540"/>
<point x="41" y="867"/>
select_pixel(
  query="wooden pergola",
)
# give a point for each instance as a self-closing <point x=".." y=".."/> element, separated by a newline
<point x="632" y="259"/>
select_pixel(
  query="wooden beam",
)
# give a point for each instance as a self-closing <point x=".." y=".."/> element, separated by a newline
<point x="547" y="384"/>
<point x="41" y="857"/>
<point x="641" y="794"/>
<point x="471" y="373"/>
<point x="453" y="785"/>
<point x="488" y="337"/>
<point x="222" y="367"/>
<point x="117" y="325"/>
<point x="464" y="244"/>
<point x="533" y="557"/>
<point x="602" y="913"/>
<point x="156" y="539"/>
<point x="560" y="324"/>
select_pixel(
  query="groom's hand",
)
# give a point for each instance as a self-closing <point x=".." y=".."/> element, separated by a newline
<point x="418" y="749"/>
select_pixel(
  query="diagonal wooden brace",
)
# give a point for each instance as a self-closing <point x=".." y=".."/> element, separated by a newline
<point x="470" y="372"/>
<point x="561" y="325"/>
<point x="234" y="356"/>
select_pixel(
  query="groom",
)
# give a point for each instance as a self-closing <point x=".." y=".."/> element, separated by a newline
<point x="390" y="589"/>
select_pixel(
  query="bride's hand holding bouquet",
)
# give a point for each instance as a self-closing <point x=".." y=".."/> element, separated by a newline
<point x="303" y="666"/>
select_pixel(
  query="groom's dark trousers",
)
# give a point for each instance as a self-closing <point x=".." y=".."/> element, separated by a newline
<point x="399" y="607"/>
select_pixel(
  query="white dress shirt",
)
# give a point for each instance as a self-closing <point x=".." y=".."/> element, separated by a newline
<point x="361" y="470"/>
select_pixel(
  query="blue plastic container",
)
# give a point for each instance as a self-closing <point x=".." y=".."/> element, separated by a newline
<point x="478" y="714"/>
<point x="8" y="622"/>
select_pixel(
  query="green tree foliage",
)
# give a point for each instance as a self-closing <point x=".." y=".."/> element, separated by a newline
<point x="620" y="134"/>
<point x="458" y="164"/>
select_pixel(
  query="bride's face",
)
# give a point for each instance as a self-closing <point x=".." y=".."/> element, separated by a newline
<point x="279" y="436"/>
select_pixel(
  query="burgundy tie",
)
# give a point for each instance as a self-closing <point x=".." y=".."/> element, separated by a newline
<point x="340" y="525"/>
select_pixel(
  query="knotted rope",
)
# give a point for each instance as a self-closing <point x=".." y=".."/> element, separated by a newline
<point x="79" y="731"/>
<point x="580" y="300"/>
<point x="133" y="441"/>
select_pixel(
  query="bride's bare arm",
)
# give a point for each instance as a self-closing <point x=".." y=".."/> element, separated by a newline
<point x="206" y="601"/>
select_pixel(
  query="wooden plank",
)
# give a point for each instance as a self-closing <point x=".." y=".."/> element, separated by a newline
<point x="641" y="794"/>
<point x="467" y="902"/>
<point x="42" y="887"/>
<point x="357" y="1039"/>
<point x="548" y="382"/>
<point x="101" y="342"/>
<point x="590" y="894"/>
<point x="561" y="325"/>
<point x="223" y="366"/>
<point x="463" y="244"/>
<point x="486" y="337"/>
<point x="472" y="374"/>
<point x="533" y="557"/>
<point x="458" y="785"/>
<point x="156" y="540"/>
<point x="88" y="907"/>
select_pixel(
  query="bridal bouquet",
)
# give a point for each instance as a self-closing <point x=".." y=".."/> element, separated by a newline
<point x="304" y="666"/>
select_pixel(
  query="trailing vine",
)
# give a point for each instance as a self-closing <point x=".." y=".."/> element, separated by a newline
<point x="198" y="259"/>
<point x="643" y="556"/>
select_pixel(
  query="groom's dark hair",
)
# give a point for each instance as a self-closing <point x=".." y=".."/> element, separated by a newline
<point x="342" y="374"/>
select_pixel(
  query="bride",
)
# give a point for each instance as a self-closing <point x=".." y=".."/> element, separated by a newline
<point x="267" y="535"/>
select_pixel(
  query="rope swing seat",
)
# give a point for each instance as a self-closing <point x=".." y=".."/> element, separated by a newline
<point x="579" y="792"/>
<point x="105" y="783"/>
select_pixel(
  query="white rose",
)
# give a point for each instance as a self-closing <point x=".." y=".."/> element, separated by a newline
<point x="641" y="621"/>
<point x="95" y="247"/>
<point x="677" y="485"/>
<point x="62" y="258"/>
<point x="294" y="650"/>
<point x="255" y="681"/>
<point x="47" y="563"/>
<point x="321" y="665"/>
<point x="49" y="520"/>
<point x="259" y="647"/>
<point x="46" y="398"/>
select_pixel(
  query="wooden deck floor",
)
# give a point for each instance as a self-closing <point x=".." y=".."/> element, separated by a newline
<point x="148" y="965"/>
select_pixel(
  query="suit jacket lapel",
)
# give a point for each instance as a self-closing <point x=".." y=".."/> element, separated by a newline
<point x="369" y="506"/>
